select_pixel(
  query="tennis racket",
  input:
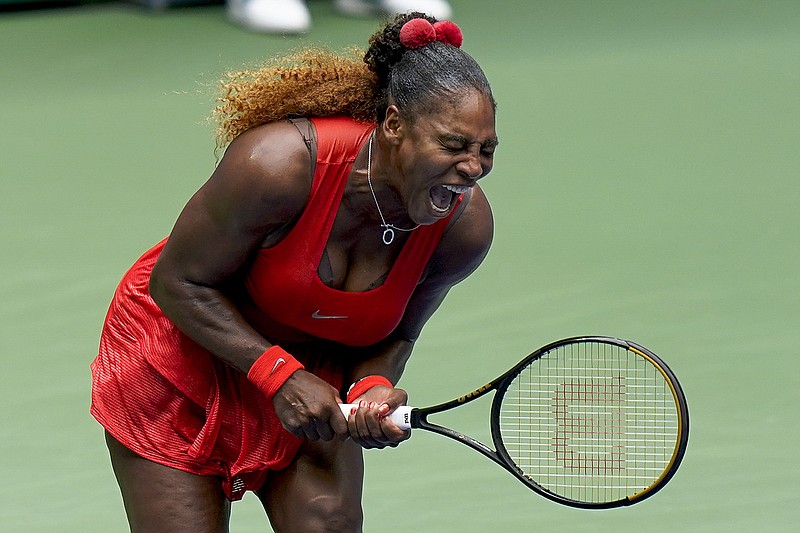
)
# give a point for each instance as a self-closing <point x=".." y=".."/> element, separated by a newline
<point x="588" y="422"/>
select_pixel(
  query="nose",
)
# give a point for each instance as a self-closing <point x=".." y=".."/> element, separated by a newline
<point x="470" y="167"/>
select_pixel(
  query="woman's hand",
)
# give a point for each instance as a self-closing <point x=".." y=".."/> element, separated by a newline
<point x="308" y="407"/>
<point x="370" y="426"/>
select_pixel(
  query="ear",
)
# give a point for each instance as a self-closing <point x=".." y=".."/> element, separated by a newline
<point x="394" y="125"/>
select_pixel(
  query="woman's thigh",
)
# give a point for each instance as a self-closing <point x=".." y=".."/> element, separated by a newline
<point x="319" y="492"/>
<point x="159" y="498"/>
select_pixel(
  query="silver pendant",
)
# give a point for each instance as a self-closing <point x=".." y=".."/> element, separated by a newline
<point x="388" y="235"/>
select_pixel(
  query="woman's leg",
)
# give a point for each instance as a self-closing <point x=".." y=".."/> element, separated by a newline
<point x="319" y="492"/>
<point x="162" y="499"/>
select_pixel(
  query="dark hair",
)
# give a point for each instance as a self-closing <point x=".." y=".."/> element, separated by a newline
<point x="318" y="83"/>
<point x="418" y="79"/>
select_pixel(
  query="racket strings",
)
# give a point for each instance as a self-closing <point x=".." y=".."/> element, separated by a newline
<point x="590" y="421"/>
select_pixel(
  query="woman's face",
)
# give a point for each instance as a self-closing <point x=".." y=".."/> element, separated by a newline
<point x="442" y="155"/>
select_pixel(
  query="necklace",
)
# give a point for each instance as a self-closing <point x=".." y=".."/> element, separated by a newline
<point x="388" y="229"/>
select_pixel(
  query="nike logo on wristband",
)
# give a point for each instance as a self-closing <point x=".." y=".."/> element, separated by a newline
<point x="318" y="315"/>
<point x="278" y="363"/>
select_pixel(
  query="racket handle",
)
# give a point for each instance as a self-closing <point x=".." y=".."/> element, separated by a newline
<point x="400" y="416"/>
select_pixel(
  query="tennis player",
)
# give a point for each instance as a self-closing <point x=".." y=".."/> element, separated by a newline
<point x="298" y="277"/>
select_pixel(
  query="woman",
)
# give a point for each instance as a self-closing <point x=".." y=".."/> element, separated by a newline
<point x="298" y="277"/>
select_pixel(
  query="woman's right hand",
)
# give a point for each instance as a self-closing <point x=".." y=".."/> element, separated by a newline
<point x="308" y="407"/>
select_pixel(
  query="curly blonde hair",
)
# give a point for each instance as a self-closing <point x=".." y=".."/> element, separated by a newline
<point x="312" y="82"/>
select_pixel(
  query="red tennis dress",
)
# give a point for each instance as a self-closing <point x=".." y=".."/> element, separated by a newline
<point x="172" y="402"/>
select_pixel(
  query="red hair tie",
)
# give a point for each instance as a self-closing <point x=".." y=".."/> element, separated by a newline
<point x="417" y="33"/>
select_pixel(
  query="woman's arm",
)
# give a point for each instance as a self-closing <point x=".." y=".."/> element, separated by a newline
<point x="261" y="184"/>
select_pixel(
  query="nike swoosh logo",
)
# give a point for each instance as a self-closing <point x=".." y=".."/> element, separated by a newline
<point x="318" y="315"/>
<point x="278" y="363"/>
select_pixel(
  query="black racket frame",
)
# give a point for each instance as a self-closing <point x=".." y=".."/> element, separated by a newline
<point x="419" y="420"/>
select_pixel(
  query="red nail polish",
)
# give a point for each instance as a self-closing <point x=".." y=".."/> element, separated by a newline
<point x="353" y="411"/>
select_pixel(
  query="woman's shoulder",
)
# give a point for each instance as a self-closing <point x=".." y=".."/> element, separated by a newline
<point x="468" y="237"/>
<point x="262" y="145"/>
<point x="272" y="156"/>
<point x="270" y="163"/>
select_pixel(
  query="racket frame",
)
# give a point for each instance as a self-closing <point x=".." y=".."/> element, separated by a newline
<point x="419" y="420"/>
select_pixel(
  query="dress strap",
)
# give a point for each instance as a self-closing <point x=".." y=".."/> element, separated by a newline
<point x="308" y="133"/>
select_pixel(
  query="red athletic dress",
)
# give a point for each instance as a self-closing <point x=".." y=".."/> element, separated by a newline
<point x="170" y="401"/>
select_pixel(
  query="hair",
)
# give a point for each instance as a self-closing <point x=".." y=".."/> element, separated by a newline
<point x="315" y="82"/>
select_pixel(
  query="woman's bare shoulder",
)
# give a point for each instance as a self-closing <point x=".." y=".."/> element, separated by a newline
<point x="467" y="240"/>
<point x="268" y="164"/>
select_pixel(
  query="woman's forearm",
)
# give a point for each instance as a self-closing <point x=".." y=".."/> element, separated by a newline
<point x="209" y="317"/>
<point x="389" y="360"/>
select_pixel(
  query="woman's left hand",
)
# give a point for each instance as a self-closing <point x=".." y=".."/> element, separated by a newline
<point x="370" y="426"/>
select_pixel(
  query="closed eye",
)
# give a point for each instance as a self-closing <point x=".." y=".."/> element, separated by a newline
<point x="489" y="147"/>
<point x="453" y="145"/>
<point x="457" y="143"/>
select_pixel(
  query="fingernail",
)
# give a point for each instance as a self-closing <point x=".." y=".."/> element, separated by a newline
<point x="372" y="405"/>
<point x="353" y="410"/>
<point x="384" y="409"/>
<point x="362" y="403"/>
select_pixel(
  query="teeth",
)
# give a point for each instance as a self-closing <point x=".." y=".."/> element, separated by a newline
<point x="456" y="189"/>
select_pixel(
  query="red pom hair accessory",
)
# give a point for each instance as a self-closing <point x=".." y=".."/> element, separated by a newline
<point x="448" y="32"/>
<point x="417" y="33"/>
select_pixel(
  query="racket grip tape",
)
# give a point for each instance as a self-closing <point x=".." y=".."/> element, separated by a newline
<point x="400" y="416"/>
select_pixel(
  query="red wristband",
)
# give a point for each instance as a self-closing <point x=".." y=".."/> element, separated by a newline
<point x="364" y="384"/>
<point x="272" y="369"/>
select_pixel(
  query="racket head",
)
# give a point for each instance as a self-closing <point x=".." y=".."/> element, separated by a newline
<point x="591" y="422"/>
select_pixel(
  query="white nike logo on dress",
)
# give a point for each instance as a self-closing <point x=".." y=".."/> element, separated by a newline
<point x="316" y="314"/>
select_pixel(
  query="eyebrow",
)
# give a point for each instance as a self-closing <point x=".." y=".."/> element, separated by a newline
<point x="491" y="142"/>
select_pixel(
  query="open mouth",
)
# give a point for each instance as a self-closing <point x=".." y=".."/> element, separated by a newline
<point x="442" y="196"/>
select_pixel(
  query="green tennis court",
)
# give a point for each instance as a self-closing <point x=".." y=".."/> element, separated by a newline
<point x="646" y="187"/>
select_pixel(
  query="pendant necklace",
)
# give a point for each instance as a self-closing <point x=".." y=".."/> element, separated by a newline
<point x="388" y="229"/>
